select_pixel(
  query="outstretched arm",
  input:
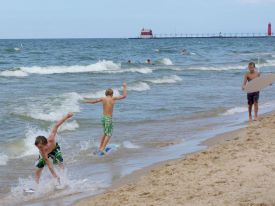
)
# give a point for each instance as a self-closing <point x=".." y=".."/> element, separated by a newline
<point x="57" y="125"/>
<point x="93" y="101"/>
<point x="124" y="92"/>
<point x="50" y="166"/>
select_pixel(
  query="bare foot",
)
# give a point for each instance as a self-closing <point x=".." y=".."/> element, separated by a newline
<point x="255" y="119"/>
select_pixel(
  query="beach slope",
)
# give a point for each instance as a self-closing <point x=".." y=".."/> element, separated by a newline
<point x="239" y="169"/>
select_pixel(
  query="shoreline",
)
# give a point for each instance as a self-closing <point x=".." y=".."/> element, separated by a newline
<point x="129" y="186"/>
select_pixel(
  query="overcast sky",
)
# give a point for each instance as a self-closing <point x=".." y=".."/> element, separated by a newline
<point x="125" y="18"/>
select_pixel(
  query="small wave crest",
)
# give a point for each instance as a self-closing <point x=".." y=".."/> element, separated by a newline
<point x="15" y="73"/>
<point x="166" y="80"/>
<point x="69" y="126"/>
<point x="31" y="134"/>
<point x="267" y="106"/>
<point x="270" y="62"/>
<point x="99" y="67"/>
<point x="166" y="61"/>
<point x="217" y="68"/>
<point x="140" y="86"/>
<point x="11" y="50"/>
<point x="53" y="109"/>
<point x="3" y="159"/>
<point x="235" y="110"/>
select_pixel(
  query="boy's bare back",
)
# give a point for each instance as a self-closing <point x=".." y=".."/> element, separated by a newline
<point x="108" y="105"/>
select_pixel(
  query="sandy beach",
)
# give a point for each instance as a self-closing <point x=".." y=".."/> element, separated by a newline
<point x="238" y="168"/>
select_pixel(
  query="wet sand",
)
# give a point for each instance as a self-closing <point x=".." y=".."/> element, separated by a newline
<point x="238" y="168"/>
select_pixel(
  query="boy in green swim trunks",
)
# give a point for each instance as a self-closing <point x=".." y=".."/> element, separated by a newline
<point x="108" y="105"/>
<point x="49" y="148"/>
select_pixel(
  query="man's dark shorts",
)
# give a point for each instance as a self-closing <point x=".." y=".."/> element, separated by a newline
<point x="253" y="97"/>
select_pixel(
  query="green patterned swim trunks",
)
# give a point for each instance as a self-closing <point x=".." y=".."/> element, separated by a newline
<point x="55" y="155"/>
<point x="107" y="124"/>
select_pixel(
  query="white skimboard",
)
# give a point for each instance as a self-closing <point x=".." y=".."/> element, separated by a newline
<point x="259" y="83"/>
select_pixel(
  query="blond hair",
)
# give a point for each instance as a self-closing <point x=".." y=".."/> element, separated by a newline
<point x="109" y="92"/>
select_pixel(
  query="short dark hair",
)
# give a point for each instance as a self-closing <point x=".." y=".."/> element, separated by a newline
<point x="109" y="92"/>
<point x="41" y="140"/>
<point x="252" y="64"/>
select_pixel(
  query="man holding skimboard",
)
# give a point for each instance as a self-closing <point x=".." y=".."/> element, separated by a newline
<point x="252" y="98"/>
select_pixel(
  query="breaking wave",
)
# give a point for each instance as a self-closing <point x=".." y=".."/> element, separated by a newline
<point x="99" y="67"/>
<point x="140" y="86"/>
<point x="166" y="61"/>
<point x="166" y="80"/>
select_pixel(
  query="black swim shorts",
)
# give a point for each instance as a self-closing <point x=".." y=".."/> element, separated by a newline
<point x="253" y="97"/>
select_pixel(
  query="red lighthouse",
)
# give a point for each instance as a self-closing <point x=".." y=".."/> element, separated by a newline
<point x="269" y="31"/>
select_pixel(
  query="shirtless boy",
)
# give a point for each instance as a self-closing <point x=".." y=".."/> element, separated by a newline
<point x="107" y="123"/>
<point x="49" y="148"/>
<point x="252" y="98"/>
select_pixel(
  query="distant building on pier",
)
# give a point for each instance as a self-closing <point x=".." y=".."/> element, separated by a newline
<point x="146" y="34"/>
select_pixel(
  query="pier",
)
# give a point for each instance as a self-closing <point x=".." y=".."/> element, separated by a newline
<point x="148" y="34"/>
<point x="209" y="35"/>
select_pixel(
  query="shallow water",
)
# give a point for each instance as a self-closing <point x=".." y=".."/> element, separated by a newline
<point x="172" y="105"/>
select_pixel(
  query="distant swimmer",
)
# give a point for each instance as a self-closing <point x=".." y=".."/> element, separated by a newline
<point x="148" y="61"/>
<point x="49" y="148"/>
<point x="129" y="62"/>
<point x="185" y="52"/>
<point x="107" y="122"/>
<point x="252" y="98"/>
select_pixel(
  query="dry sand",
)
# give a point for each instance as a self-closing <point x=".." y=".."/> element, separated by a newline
<point x="239" y="169"/>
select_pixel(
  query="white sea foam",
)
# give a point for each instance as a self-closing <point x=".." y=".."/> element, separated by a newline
<point x="144" y="70"/>
<point x="85" y="145"/>
<point x="139" y="87"/>
<point x="166" y="61"/>
<point x="217" y="68"/>
<point x="29" y="147"/>
<point x="130" y="145"/>
<point x="3" y="159"/>
<point x="69" y="126"/>
<point x="15" y="73"/>
<point x="48" y="187"/>
<point x="54" y="110"/>
<point x="166" y="80"/>
<point x="267" y="106"/>
<point x="270" y="62"/>
<point x="31" y="133"/>
<point x="99" y="67"/>
<point x="235" y="110"/>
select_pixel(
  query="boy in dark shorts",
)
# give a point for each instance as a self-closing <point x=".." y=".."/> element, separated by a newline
<point x="252" y="98"/>
<point x="108" y="103"/>
<point x="49" y="148"/>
